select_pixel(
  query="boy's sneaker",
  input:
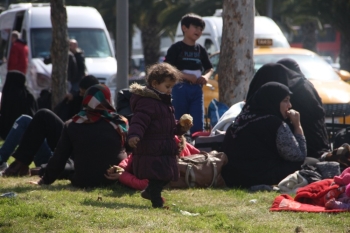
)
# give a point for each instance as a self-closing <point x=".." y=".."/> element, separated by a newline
<point x="3" y="166"/>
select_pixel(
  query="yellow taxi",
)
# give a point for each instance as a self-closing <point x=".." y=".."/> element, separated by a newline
<point x="330" y="85"/>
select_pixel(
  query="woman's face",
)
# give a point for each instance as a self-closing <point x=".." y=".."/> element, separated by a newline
<point x="285" y="105"/>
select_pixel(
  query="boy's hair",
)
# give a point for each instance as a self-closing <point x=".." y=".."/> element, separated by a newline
<point x="160" y="71"/>
<point x="193" y="19"/>
<point x="88" y="81"/>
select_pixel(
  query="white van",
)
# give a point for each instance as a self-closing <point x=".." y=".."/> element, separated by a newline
<point x="32" y="20"/>
<point x="264" y="27"/>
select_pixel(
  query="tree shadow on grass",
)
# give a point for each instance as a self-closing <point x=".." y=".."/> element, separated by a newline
<point x="111" y="204"/>
<point x="114" y="190"/>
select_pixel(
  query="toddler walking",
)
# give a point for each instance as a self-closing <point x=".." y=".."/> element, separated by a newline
<point x="152" y="131"/>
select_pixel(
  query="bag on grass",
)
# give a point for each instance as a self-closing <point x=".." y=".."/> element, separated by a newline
<point x="210" y="143"/>
<point x="201" y="170"/>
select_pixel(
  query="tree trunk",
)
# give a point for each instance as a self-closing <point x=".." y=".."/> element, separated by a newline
<point x="309" y="36"/>
<point x="344" y="55"/>
<point x="151" y="41"/>
<point x="236" y="66"/>
<point x="59" y="50"/>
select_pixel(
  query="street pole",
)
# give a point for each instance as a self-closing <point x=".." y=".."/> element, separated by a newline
<point x="122" y="47"/>
<point x="269" y="8"/>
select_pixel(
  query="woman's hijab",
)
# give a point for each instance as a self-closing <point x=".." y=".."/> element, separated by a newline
<point x="15" y="101"/>
<point x="264" y="103"/>
<point x="97" y="106"/>
<point x="272" y="72"/>
<point x="291" y="64"/>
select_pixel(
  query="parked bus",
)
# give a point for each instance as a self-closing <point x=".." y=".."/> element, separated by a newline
<point x="328" y="41"/>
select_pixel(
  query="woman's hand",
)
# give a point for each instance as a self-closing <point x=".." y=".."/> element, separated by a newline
<point x="113" y="176"/>
<point x="34" y="182"/>
<point x="294" y="117"/>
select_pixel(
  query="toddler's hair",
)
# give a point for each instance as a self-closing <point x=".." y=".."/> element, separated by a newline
<point x="160" y="71"/>
<point x="193" y="19"/>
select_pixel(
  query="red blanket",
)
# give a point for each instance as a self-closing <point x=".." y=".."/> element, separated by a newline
<point x="308" y="199"/>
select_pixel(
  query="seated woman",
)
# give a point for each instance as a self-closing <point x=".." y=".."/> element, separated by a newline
<point x="94" y="138"/>
<point x="305" y="100"/>
<point x="260" y="146"/>
<point x="43" y="123"/>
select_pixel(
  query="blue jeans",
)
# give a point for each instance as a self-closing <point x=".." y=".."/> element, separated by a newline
<point x="14" y="137"/>
<point x="188" y="98"/>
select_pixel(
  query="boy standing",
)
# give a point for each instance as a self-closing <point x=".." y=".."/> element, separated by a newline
<point x="191" y="59"/>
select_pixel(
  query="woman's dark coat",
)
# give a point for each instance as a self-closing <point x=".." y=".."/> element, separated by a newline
<point x="250" y="143"/>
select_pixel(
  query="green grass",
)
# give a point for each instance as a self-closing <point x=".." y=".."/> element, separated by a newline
<point x="63" y="208"/>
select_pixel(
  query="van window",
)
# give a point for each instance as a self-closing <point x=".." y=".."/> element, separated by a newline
<point x="93" y="42"/>
<point x="4" y="44"/>
<point x="209" y="46"/>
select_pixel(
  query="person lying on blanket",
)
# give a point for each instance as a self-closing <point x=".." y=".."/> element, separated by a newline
<point x="339" y="198"/>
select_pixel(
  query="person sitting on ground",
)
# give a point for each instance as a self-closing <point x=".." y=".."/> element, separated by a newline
<point x="94" y="138"/>
<point x="71" y="104"/>
<point x="260" y="146"/>
<point x="68" y="109"/>
<point x="306" y="101"/>
<point x="313" y="117"/>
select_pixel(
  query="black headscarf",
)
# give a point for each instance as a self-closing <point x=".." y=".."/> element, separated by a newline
<point x="274" y="72"/>
<point x="291" y="64"/>
<point x="264" y="103"/>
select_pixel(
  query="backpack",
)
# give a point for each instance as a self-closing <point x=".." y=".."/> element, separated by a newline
<point x="123" y="103"/>
<point x="215" y="110"/>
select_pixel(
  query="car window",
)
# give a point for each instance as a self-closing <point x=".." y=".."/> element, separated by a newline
<point x="93" y="42"/>
<point x="312" y="66"/>
<point x="214" y="59"/>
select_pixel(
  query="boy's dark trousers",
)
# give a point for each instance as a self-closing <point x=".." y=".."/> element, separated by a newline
<point x="155" y="188"/>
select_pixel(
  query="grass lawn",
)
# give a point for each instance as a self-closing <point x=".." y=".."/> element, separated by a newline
<point x="63" y="208"/>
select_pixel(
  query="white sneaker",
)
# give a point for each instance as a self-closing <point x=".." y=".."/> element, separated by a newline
<point x="3" y="166"/>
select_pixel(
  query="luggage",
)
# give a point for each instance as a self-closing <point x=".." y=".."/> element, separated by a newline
<point x="201" y="170"/>
<point x="209" y="143"/>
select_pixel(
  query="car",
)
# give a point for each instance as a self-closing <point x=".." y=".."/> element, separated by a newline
<point x="330" y="85"/>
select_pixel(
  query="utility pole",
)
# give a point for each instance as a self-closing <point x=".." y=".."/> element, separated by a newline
<point x="122" y="46"/>
<point x="269" y="8"/>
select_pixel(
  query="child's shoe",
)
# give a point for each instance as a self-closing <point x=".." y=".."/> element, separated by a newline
<point x="146" y="195"/>
<point x="3" y="166"/>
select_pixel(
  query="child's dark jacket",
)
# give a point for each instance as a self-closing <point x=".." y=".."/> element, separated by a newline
<point x="154" y="123"/>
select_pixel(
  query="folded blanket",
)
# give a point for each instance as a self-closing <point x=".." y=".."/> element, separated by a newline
<point x="285" y="202"/>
